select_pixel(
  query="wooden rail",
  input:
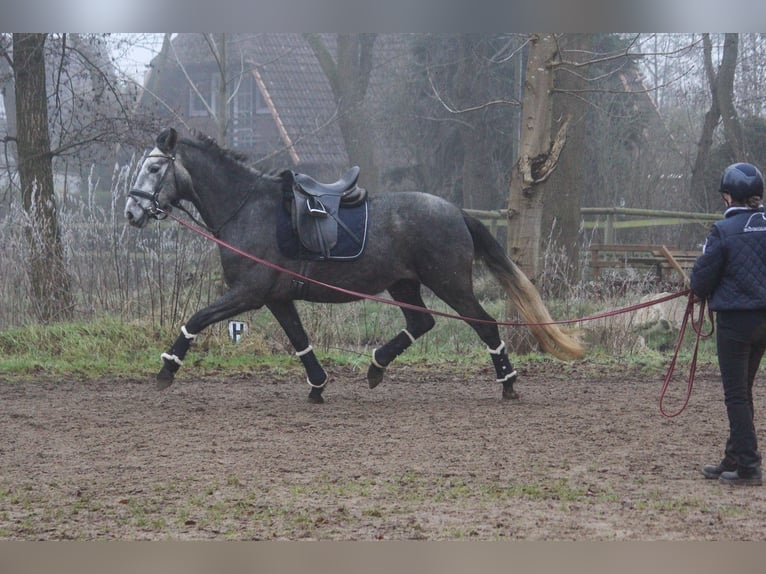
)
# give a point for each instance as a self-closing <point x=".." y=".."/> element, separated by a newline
<point x="662" y="259"/>
<point x="610" y="219"/>
<point x="615" y="218"/>
<point x="667" y="262"/>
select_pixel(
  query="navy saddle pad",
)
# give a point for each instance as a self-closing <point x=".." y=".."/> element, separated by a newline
<point x="352" y="236"/>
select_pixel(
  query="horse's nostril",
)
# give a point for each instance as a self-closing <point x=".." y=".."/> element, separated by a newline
<point x="129" y="215"/>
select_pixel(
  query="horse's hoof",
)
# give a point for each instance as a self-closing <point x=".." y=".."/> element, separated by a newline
<point x="508" y="393"/>
<point x="316" y="400"/>
<point x="375" y="376"/>
<point x="164" y="379"/>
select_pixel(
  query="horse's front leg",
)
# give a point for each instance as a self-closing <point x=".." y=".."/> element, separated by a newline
<point x="228" y="305"/>
<point x="418" y="324"/>
<point x="287" y="315"/>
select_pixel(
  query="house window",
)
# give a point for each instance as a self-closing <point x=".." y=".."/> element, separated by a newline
<point x="207" y="88"/>
<point x="243" y="108"/>
<point x="248" y="104"/>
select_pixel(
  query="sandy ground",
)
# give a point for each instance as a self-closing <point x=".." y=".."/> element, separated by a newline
<point x="432" y="453"/>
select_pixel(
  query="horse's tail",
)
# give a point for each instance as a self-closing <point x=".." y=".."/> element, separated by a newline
<point x="522" y="293"/>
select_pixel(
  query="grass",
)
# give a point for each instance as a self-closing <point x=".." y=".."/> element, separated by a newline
<point x="344" y="334"/>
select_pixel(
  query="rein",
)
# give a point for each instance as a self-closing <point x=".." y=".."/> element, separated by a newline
<point x="697" y="328"/>
<point x="359" y="295"/>
<point x="689" y="312"/>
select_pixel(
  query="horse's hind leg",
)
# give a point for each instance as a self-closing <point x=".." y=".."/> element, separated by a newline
<point x="287" y="316"/>
<point x="463" y="300"/>
<point x="417" y="324"/>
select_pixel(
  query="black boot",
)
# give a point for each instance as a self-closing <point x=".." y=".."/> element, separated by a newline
<point x="742" y="477"/>
<point x="715" y="470"/>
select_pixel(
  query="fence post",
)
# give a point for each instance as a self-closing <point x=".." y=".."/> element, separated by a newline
<point x="609" y="228"/>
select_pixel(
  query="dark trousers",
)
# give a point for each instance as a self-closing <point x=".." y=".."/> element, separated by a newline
<point x="741" y="339"/>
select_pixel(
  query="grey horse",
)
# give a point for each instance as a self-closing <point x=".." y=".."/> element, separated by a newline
<point x="411" y="240"/>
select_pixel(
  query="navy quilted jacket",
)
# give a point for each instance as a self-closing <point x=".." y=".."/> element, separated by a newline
<point x="731" y="272"/>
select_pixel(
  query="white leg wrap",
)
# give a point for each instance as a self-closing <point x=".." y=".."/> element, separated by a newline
<point x="187" y="334"/>
<point x="305" y="351"/>
<point x="173" y="358"/>
<point x="499" y="350"/>
<point x="406" y="332"/>
<point x="313" y="386"/>
<point x="375" y="361"/>
<point x="508" y="377"/>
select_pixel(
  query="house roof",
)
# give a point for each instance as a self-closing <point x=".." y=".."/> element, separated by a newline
<point x="289" y="75"/>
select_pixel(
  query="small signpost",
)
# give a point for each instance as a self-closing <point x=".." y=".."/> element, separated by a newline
<point x="237" y="330"/>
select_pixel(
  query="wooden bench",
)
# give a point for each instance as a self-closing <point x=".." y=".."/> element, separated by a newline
<point x="663" y="260"/>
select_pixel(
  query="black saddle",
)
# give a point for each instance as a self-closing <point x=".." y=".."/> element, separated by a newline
<point x="315" y="208"/>
<point x="345" y="187"/>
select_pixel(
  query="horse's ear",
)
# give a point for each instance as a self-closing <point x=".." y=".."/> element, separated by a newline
<point x="166" y="141"/>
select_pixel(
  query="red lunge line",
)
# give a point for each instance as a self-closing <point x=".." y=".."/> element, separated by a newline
<point x="359" y="295"/>
<point x="697" y="327"/>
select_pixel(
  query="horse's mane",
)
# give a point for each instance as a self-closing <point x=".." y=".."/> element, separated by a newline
<point x="205" y="143"/>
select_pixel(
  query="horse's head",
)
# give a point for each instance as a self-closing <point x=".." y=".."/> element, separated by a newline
<point x="159" y="184"/>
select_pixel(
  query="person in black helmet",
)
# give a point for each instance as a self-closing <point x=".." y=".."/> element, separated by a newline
<point x="731" y="275"/>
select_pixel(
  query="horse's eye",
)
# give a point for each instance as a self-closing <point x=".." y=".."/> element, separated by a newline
<point x="154" y="168"/>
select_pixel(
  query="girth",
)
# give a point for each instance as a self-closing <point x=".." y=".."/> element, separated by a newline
<point x="315" y="208"/>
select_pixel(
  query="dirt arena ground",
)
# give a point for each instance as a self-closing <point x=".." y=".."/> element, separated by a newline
<point x="431" y="454"/>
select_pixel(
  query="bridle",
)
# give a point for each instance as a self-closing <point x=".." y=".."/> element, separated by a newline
<point x="156" y="212"/>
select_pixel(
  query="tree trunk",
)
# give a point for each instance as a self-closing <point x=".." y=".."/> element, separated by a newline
<point x="349" y="77"/>
<point x="9" y="102"/>
<point x="50" y="282"/>
<point x="538" y="156"/>
<point x="708" y="127"/>
<point x="732" y="128"/>
<point x="222" y="108"/>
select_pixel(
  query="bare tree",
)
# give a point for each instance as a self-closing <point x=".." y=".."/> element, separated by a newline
<point x="51" y="293"/>
<point x="349" y="76"/>
<point x="459" y="113"/>
<point x="721" y="85"/>
<point x="67" y="108"/>
<point x="538" y="155"/>
<point x="476" y="60"/>
<point x="725" y="79"/>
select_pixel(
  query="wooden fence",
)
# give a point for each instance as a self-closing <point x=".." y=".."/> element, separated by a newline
<point x="610" y="254"/>
<point x="610" y="219"/>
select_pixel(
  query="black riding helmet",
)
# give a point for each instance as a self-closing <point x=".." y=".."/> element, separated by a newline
<point x="742" y="180"/>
